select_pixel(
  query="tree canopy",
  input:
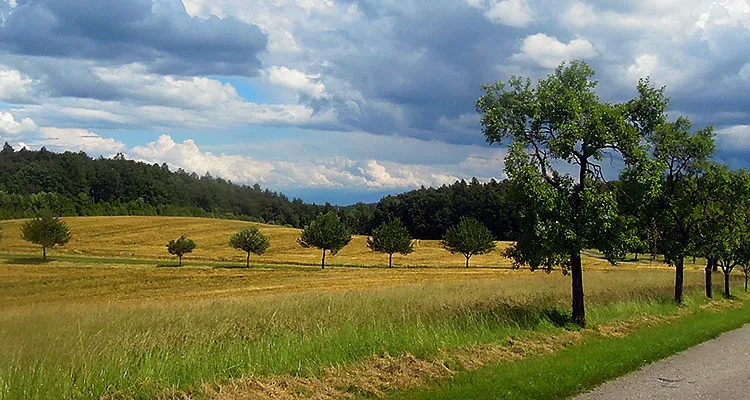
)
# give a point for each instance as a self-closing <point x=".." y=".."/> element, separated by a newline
<point x="327" y="233"/>
<point x="180" y="247"/>
<point x="391" y="237"/>
<point x="469" y="238"/>
<point x="251" y="241"/>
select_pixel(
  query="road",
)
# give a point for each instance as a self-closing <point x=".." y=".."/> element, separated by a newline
<point x="718" y="370"/>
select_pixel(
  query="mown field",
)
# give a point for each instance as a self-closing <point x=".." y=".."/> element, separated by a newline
<point x="80" y="327"/>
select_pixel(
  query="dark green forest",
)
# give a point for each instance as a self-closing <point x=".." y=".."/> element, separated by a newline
<point x="74" y="184"/>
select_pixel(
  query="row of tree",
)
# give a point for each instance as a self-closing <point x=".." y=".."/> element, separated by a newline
<point x="670" y="196"/>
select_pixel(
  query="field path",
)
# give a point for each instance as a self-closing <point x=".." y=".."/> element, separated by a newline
<point x="717" y="370"/>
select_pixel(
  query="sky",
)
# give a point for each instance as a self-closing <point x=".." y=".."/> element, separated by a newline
<point x="344" y="100"/>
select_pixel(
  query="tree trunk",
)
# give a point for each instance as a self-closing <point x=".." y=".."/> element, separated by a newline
<point x="248" y="260"/>
<point x="323" y="262"/>
<point x="746" y="282"/>
<point x="467" y="261"/>
<point x="44" y="253"/>
<point x="709" y="283"/>
<point x="636" y="256"/>
<point x="390" y="260"/>
<point x="726" y="283"/>
<point x="576" y="272"/>
<point x="715" y="264"/>
<point x="180" y="257"/>
<point x="678" y="279"/>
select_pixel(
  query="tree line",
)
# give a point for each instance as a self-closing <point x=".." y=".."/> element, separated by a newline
<point x="74" y="184"/>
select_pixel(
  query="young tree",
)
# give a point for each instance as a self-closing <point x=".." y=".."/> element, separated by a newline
<point x="48" y="231"/>
<point x="391" y="237"/>
<point x="327" y="233"/>
<point x="180" y="247"/>
<point x="555" y="126"/>
<point x="250" y="240"/>
<point x="469" y="237"/>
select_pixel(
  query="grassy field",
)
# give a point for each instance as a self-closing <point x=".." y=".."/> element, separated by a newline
<point x="146" y="238"/>
<point x="82" y="327"/>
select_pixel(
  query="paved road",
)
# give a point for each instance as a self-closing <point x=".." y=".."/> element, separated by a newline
<point x="718" y="370"/>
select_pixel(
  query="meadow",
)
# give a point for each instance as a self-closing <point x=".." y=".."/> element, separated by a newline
<point x="101" y="320"/>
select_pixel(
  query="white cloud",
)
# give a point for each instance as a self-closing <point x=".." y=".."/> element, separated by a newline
<point x="297" y="80"/>
<point x="328" y="172"/>
<point x="734" y="138"/>
<point x="9" y="127"/>
<point x="515" y="13"/>
<point x="14" y="86"/>
<point x="68" y="139"/>
<point x="548" y="52"/>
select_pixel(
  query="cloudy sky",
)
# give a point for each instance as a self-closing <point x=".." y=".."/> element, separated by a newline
<point x="343" y="100"/>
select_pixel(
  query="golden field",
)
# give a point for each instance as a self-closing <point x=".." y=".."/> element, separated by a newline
<point x="105" y="322"/>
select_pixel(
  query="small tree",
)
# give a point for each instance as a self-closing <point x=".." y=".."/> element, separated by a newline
<point x="470" y="237"/>
<point x="180" y="247"/>
<point x="48" y="231"/>
<point x="250" y="240"/>
<point x="391" y="237"/>
<point x="327" y="233"/>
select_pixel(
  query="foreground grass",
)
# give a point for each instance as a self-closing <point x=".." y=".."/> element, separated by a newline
<point x="584" y="366"/>
<point x="68" y="331"/>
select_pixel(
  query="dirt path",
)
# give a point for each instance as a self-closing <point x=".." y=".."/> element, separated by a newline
<point x="717" y="370"/>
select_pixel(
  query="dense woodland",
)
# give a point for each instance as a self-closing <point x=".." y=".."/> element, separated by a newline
<point x="71" y="184"/>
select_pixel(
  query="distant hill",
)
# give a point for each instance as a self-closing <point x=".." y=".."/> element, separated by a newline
<point x="74" y="184"/>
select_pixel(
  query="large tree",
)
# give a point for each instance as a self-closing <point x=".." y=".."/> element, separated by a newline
<point x="391" y="237"/>
<point x="47" y="230"/>
<point x="470" y="237"/>
<point x="559" y="132"/>
<point x="250" y="240"/>
<point x="180" y="247"/>
<point x="327" y="233"/>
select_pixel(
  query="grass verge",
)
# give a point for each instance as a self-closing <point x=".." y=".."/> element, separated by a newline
<point x="583" y="366"/>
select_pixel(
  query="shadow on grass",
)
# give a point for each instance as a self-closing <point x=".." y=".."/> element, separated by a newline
<point x="168" y="266"/>
<point x="28" y="260"/>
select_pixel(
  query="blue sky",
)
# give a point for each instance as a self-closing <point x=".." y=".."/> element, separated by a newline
<point x="344" y="100"/>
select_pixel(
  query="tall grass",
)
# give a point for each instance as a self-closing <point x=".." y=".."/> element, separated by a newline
<point x="143" y="347"/>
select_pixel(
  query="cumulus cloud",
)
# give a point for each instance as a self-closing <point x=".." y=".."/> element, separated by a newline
<point x="297" y="80"/>
<point x="9" y="127"/>
<point x="515" y="13"/>
<point x="14" y="86"/>
<point x="549" y="52"/>
<point x="734" y="138"/>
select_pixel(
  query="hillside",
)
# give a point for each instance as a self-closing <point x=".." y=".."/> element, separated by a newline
<point x="146" y="237"/>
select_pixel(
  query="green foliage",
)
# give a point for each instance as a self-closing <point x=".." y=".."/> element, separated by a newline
<point x="391" y="237"/>
<point x="180" y="247"/>
<point x="469" y="238"/>
<point x="250" y="240"/>
<point x="47" y="230"/>
<point x="326" y="233"/>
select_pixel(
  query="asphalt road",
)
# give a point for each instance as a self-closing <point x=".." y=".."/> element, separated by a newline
<point x="718" y="370"/>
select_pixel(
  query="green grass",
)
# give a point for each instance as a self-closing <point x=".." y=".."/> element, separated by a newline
<point x="581" y="367"/>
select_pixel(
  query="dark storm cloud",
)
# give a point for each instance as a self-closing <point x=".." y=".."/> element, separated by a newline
<point x="161" y="35"/>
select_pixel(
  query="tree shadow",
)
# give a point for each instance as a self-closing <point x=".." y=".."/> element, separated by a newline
<point x="28" y="261"/>
<point x="168" y="266"/>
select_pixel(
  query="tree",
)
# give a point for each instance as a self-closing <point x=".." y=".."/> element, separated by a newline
<point x="250" y="240"/>
<point x="679" y="161"/>
<point x="555" y="126"/>
<point x="180" y="247"/>
<point x="48" y="231"/>
<point x="469" y="237"/>
<point x="391" y="237"/>
<point x="327" y="233"/>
